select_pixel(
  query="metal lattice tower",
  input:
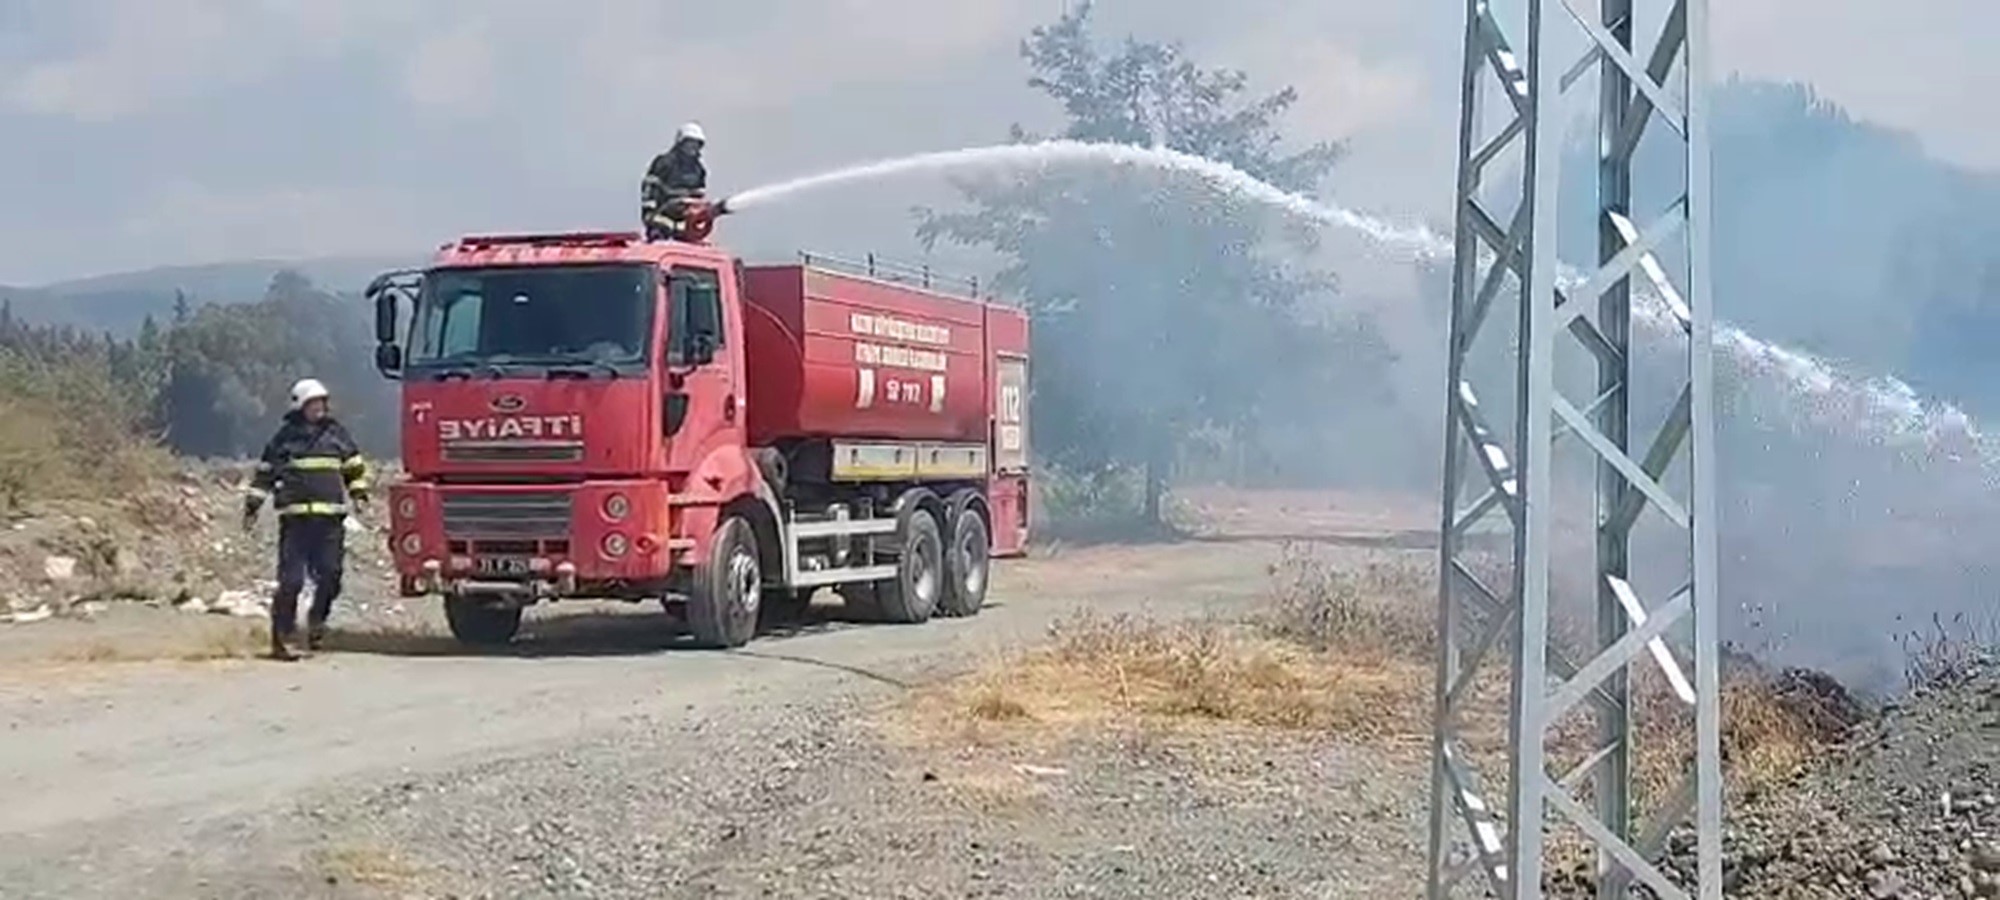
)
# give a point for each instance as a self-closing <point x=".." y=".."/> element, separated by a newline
<point x="1519" y="447"/>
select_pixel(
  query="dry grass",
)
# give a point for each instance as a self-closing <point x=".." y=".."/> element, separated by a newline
<point x="98" y="652"/>
<point x="1333" y="651"/>
<point x="1948" y="650"/>
<point x="213" y="641"/>
<point x="1766" y="743"/>
<point x="236" y="640"/>
<point x="369" y="865"/>
<point x="1763" y="745"/>
<point x="1382" y="608"/>
<point x="1347" y="650"/>
<point x="1774" y="727"/>
<point x="53" y="448"/>
<point x="1213" y="672"/>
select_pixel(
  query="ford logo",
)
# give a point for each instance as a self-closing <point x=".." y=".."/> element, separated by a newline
<point x="508" y="403"/>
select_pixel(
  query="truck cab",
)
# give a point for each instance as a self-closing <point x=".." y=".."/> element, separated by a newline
<point x="590" y="415"/>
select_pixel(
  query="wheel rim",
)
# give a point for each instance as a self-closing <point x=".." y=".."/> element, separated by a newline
<point x="923" y="574"/>
<point x="745" y="580"/>
<point x="969" y="551"/>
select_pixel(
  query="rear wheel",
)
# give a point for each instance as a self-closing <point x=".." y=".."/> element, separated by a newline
<point x="916" y="591"/>
<point x="726" y="592"/>
<point x="478" y="620"/>
<point x="966" y="564"/>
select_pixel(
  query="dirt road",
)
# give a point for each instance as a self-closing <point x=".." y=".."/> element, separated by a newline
<point x="600" y="760"/>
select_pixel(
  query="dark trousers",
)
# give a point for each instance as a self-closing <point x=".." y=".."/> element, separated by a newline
<point x="313" y="546"/>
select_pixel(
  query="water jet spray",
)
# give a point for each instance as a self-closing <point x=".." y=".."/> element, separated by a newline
<point x="1881" y="408"/>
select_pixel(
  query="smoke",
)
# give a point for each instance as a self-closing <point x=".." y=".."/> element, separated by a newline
<point x="1851" y="508"/>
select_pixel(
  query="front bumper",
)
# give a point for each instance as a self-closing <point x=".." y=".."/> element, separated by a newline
<point x="538" y="540"/>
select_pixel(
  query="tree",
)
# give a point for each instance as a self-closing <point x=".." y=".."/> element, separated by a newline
<point x="1159" y="306"/>
<point x="230" y="368"/>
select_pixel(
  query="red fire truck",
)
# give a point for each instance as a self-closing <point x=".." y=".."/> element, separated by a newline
<point x="591" y="415"/>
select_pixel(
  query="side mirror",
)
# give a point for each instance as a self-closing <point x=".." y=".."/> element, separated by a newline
<point x="383" y="292"/>
<point x="388" y="356"/>
<point x="385" y="314"/>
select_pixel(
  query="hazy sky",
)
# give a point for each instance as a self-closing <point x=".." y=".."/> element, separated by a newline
<point x="146" y="132"/>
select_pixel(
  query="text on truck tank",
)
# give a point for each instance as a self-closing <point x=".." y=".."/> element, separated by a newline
<point x="875" y="325"/>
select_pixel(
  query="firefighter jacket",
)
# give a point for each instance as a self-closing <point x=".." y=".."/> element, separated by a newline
<point x="674" y="175"/>
<point x="312" y="468"/>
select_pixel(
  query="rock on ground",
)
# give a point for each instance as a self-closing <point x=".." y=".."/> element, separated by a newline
<point x="172" y="543"/>
<point x="1910" y="810"/>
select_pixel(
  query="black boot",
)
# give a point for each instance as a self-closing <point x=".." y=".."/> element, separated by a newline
<point x="283" y="647"/>
<point x="316" y="634"/>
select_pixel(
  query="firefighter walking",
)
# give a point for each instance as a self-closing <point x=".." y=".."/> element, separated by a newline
<point x="312" y="470"/>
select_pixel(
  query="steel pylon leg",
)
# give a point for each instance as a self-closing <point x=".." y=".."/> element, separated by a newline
<point x="1644" y="300"/>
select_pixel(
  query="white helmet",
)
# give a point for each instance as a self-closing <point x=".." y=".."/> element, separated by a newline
<point x="306" y="391"/>
<point x="690" y="132"/>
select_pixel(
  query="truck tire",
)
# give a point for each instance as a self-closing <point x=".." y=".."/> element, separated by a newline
<point x="918" y="588"/>
<point x="476" y="620"/>
<point x="726" y="591"/>
<point x="967" y="563"/>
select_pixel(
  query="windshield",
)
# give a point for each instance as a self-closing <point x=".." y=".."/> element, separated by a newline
<point x="600" y="316"/>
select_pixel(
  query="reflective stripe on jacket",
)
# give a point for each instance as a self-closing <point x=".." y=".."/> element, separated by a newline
<point x="674" y="175"/>
<point x="311" y="468"/>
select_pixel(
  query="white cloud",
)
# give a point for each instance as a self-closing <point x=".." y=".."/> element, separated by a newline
<point x="457" y="112"/>
<point x="145" y="54"/>
<point x="188" y="222"/>
<point x="454" y="70"/>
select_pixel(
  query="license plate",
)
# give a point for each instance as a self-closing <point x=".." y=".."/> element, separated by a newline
<point x="503" y="565"/>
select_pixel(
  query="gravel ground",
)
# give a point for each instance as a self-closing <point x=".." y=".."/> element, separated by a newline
<point x="811" y="803"/>
<point x="599" y="760"/>
<point x="1910" y="811"/>
<point x="596" y="759"/>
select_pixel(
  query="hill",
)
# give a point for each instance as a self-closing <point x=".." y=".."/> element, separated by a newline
<point x="120" y="302"/>
<point x="82" y="411"/>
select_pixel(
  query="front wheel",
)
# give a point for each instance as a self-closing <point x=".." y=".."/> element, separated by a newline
<point x="478" y="621"/>
<point x="726" y="592"/>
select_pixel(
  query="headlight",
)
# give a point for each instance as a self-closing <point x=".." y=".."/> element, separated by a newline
<point x="407" y="508"/>
<point x="413" y="544"/>
<point x="615" y="545"/>
<point x="617" y="507"/>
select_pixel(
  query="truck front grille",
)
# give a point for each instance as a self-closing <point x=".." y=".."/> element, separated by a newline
<point x="517" y="515"/>
<point x="512" y="451"/>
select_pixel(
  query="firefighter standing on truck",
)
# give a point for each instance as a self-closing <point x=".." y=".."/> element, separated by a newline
<point x="675" y="184"/>
<point x="314" y="469"/>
